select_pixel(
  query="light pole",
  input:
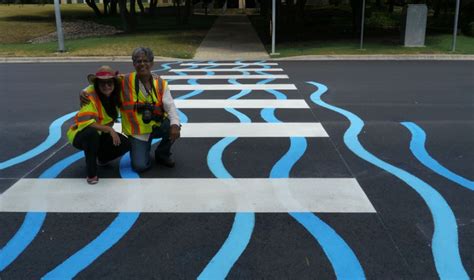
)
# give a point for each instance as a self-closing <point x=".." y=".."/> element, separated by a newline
<point x="455" y="32"/>
<point x="273" y="27"/>
<point x="59" y="27"/>
<point x="362" y="26"/>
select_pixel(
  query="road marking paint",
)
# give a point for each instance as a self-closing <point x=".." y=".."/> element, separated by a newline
<point x="232" y="64"/>
<point x="53" y="137"/>
<point x="233" y="87"/>
<point x="213" y="130"/>
<point x="335" y="195"/>
<point x="241" y="103"/>
<point x="227" y="70"/>
<point x="417" y="147"/>
<point x="222" y="77"/>
<point x="444" y="242"/>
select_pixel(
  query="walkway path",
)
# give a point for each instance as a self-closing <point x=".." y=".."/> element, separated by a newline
<point x="231" y="38"/>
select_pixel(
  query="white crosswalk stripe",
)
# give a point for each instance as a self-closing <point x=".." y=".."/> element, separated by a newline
<point x="234" y="87"/>
<point x="240" y="103"/>
<point x="231" y="64"/>
<point x="186" y="195"/>
<point x="251" y="130"/>
<point x="222" y="77"/>
<point x="226" y="70"/>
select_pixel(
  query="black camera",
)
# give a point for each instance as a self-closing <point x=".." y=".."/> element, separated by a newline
<point x="147" y="111"/>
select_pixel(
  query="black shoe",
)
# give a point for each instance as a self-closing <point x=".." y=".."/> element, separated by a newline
<point x="168" y="162"/>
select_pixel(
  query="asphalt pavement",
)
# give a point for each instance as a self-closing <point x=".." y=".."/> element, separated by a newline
<point x="398" y="134"/>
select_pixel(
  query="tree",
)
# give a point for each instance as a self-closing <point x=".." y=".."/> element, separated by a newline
<point x="91" y="3"/>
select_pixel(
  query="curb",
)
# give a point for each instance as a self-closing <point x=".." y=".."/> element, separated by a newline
<point x="53" y="59"/>
<point x="294" y="58"/>
<point x="441" y="57"/>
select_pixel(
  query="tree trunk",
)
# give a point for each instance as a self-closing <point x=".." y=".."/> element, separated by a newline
<point x="91" y="3"/>
<point x="124" y="15"/>
<point x="113" y="7"/>
<point x="140" y="5"/>
<point x="106" y="7"/>
<point x="153" y="4"/>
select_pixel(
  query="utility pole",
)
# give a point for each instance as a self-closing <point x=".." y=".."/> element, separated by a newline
<point x="273" y="27"/>
<point x="455" y="32"/>
<point x="362" y="26"/>
<point x="59" y="27"/>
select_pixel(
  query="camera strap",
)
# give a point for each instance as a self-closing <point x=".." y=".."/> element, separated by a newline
<point x="153" y="90"/>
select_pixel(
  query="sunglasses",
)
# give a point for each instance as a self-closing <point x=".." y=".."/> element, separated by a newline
<point x="106" y="82"/>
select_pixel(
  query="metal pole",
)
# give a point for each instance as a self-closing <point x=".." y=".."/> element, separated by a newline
<point x="455" y="31"/>
<point x="362" y="26"/>
<point x="59" y="27"/>
<point x="273" y="26"/>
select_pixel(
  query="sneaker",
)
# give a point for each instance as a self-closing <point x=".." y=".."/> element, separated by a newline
<point x="168" y="162"/>
<point x="92" y="180"/>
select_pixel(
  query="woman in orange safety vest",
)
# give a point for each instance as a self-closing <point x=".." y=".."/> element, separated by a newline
<point x="93" y="130"/>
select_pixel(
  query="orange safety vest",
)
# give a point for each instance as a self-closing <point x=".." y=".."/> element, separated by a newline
<point x="132" y="123"/>
<point x="90" y="113"/>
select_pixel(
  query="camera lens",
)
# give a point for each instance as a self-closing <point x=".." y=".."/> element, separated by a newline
<point x="147" y="116"/>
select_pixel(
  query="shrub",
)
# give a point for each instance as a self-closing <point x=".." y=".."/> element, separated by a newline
<point x="381" y="20"/>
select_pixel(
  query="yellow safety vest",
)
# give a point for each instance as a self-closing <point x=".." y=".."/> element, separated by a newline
<point x="132" y="123"/>
<point x="89" y="113"/>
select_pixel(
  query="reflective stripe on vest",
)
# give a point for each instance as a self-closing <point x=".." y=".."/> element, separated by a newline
<point x="132" y="120"/>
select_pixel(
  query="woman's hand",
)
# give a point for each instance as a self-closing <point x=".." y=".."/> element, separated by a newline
<point x="115" y="137"/>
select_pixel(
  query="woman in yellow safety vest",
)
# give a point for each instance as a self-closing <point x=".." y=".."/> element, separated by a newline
<point x="93" y="130"/>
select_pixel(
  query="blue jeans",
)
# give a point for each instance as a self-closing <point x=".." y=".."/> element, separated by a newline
<point x="140" y="150"/>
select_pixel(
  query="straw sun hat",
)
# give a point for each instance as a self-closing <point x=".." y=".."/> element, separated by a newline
<point x="103" y="73"/>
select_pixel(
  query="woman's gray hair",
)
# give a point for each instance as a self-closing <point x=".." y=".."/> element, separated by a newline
<point x="142" y="50"/>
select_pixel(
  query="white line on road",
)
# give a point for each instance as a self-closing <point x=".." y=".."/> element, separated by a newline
<point x="334" y="195"/>
<point x="222" y="77"/>
<point x="240" y="103"/>
<point x="231" y="64"/>
<point x="220" y="130"/>
<point x="226" y="70"/>
<point x="234" y="87"/>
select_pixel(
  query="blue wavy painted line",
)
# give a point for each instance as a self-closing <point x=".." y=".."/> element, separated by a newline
<point x="242" y="228"/>
<point x="166" y="66"/>
<point x="340" y="255"/>
<point x="445" y="245"/>
<point x="109" y="237"/>
<point x="417" y="147"/>
<point x="244" y="223"/>
<point x="194" y="82"/>
<point x="53" y="138"/>
<point x="342" y="258"/>
<point x="33" y="220"/>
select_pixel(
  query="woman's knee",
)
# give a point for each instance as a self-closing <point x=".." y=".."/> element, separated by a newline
<point x="87" y="139"/>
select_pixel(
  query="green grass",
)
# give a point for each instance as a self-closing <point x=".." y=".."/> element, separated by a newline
<point x="435" y="44"/>
<point x="328" y="31"/>
<point x="161" y="33"/>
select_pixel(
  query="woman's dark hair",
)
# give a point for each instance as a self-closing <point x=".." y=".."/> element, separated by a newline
<point x="110" y="103"/>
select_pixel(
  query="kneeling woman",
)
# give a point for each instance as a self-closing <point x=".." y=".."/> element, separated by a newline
<point x="93" y="129"/>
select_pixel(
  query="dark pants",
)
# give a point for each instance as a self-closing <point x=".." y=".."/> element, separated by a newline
<point x="100" y="147"/>
<point x="140" y="150"/>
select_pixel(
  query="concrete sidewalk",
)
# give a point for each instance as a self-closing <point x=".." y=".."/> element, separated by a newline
<point x="231" y="38"/>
